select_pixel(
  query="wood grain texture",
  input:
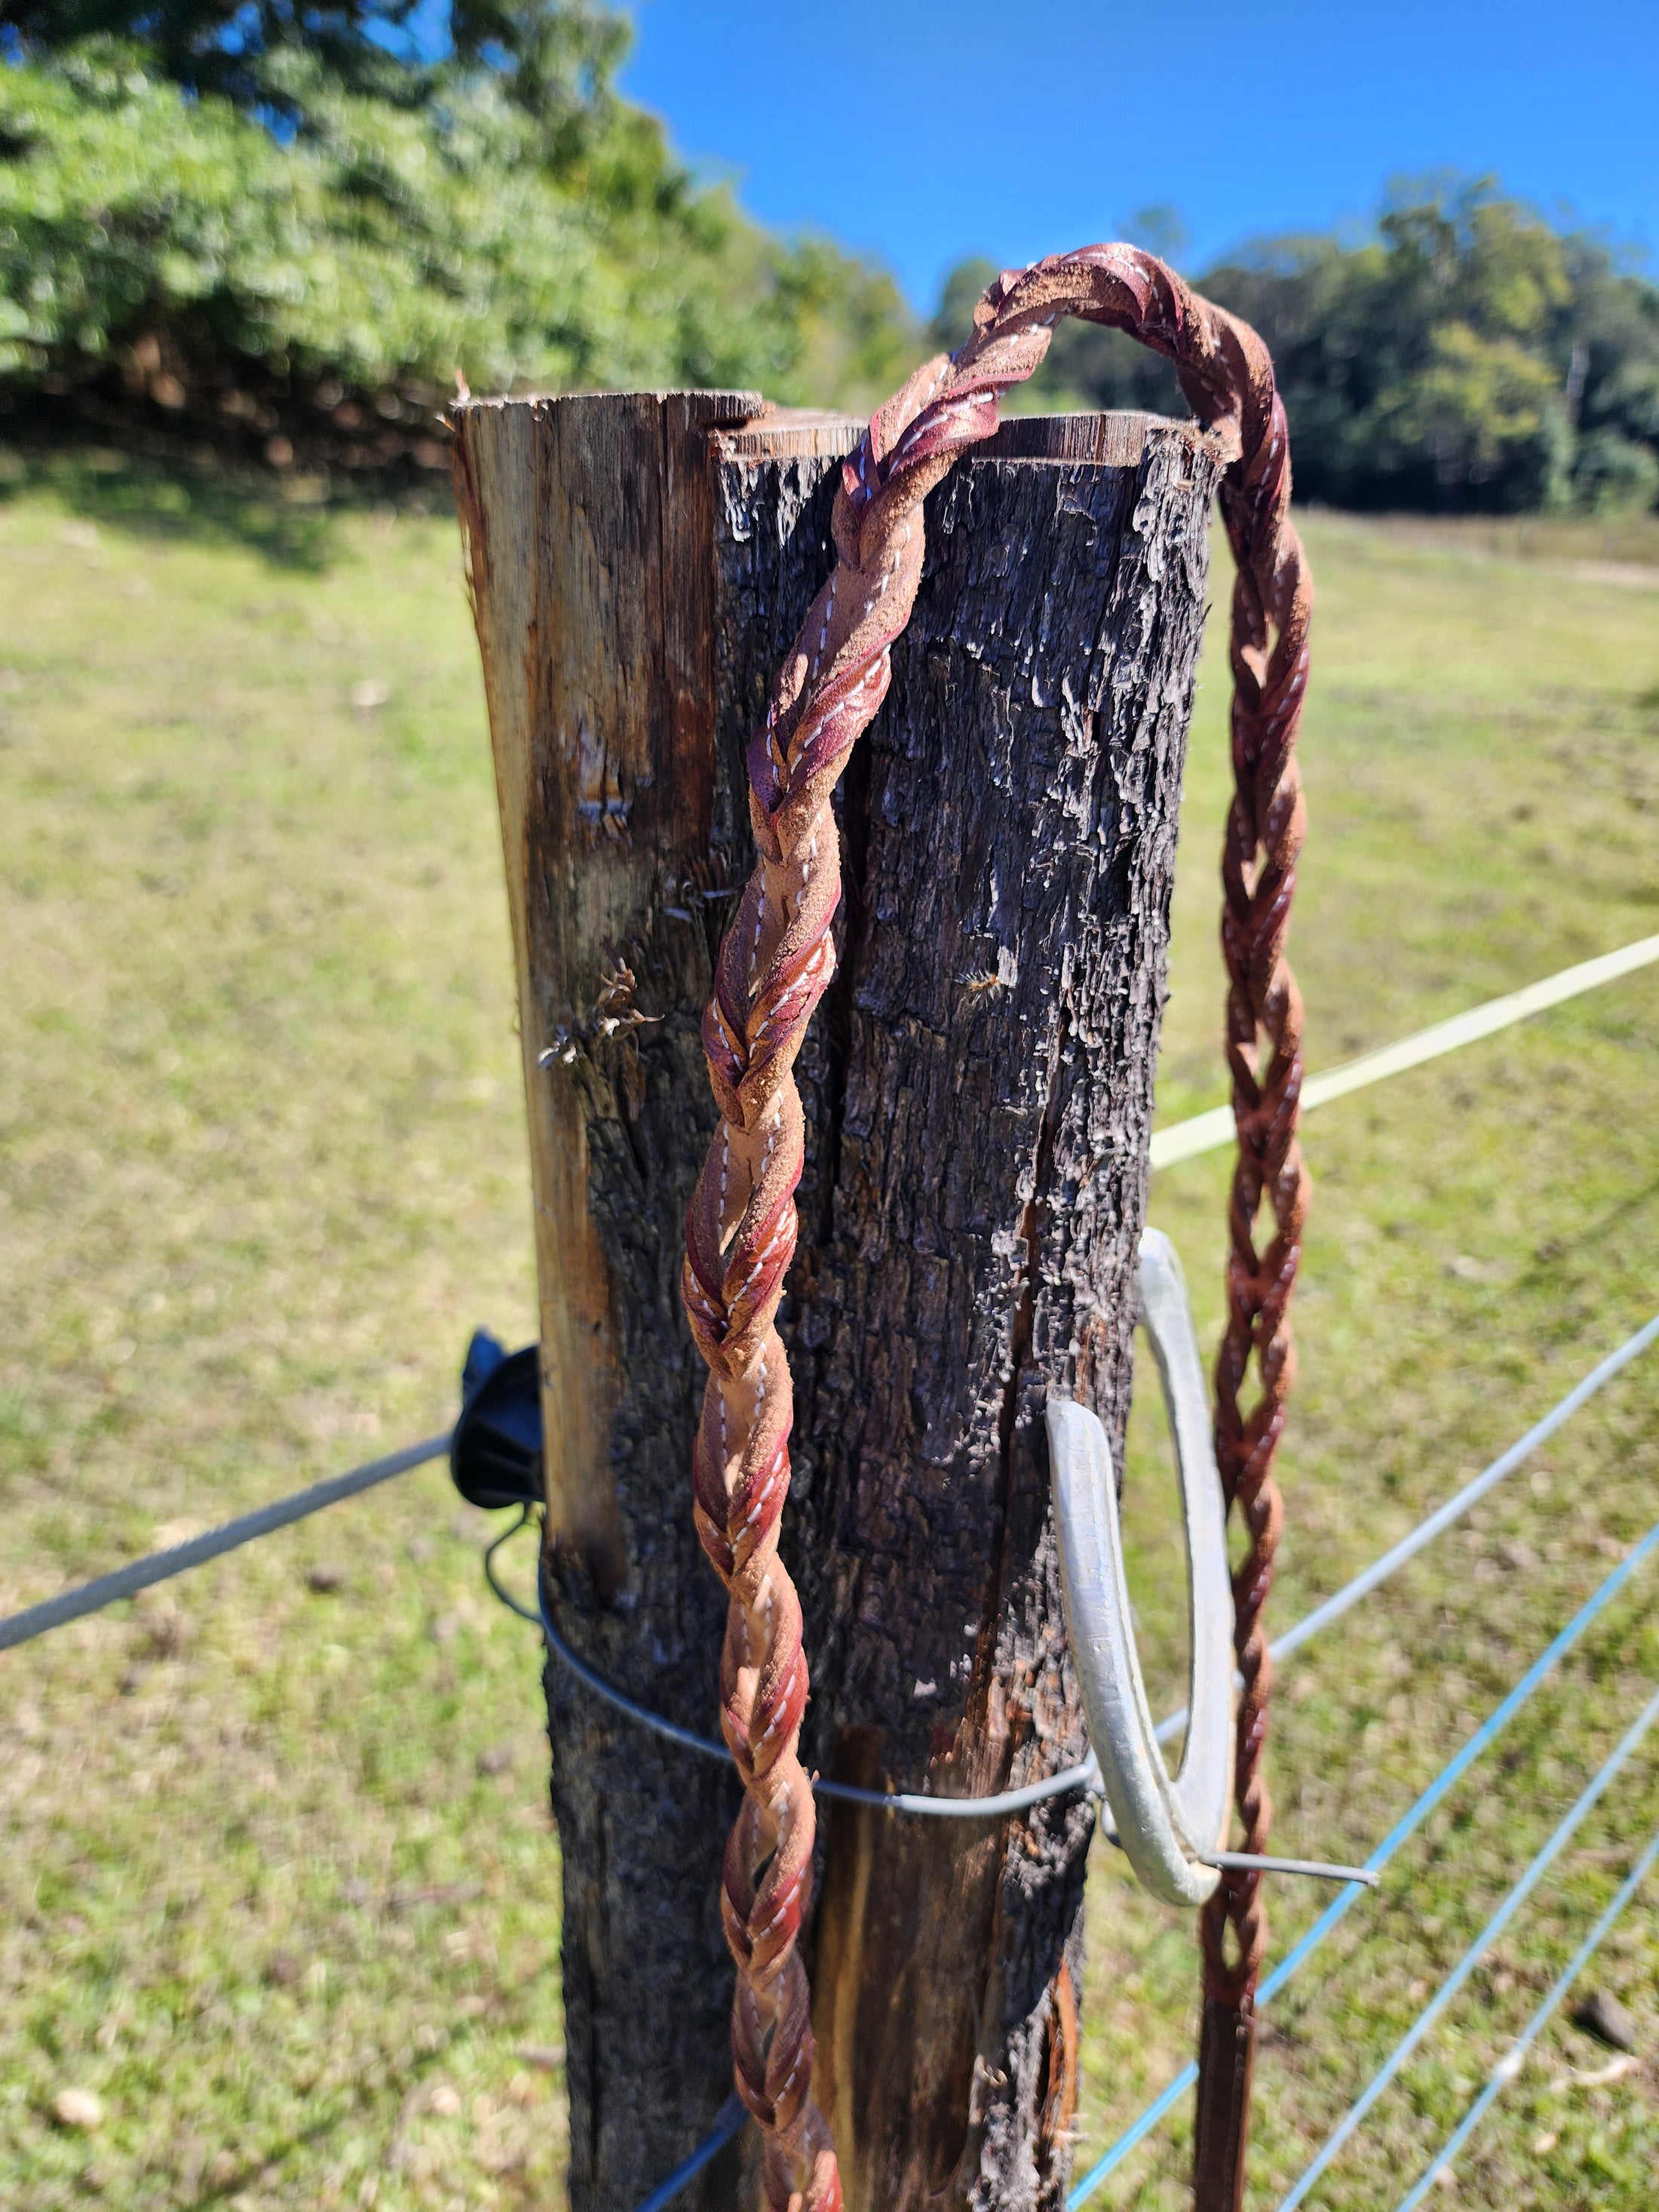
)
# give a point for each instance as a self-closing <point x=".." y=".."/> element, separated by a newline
<point x="978" y="1091"/>
<point x="587" y="527"/>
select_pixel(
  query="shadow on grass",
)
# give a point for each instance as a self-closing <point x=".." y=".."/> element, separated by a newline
<point x="1548" y="1256"/>
<point x="290" y="520"/>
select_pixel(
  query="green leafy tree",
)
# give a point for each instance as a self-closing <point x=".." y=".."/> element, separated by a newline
<point x="558" y="56"/>
<point x="1612" y="364"/>
<point x="282" y="233"/>
<point x="1419" y="368"/>
<point x="1467" y="355"/>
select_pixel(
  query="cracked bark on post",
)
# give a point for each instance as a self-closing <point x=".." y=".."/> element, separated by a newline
<point x="978" y="1094"/>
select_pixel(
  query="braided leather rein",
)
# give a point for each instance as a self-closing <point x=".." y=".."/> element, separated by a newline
<point x="775" y="963"/>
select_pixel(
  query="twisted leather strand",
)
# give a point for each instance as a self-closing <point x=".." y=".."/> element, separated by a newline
<point x="775" y="963"/>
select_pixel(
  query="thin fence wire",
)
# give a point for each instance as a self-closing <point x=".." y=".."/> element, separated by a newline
<point x="1001" y="1804"/>
<point x="729" y="2121"/>
<point x="1085" y="1776"/>
<point x="1509" y="2067"/>
<point x="1471" y="1494"/>
<point x="1571" y="1822"/>
<point x="1186" y="1140"/>
<point x="1404" y="1828"/>
<point x="159" y="1566"/>
<point x="1208" y="1133"/>
<point x="1183" y="1140"/>
<point x="1442" y="1518"/>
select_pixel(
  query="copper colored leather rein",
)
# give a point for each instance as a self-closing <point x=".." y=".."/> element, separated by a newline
<point x="775" y="963"/>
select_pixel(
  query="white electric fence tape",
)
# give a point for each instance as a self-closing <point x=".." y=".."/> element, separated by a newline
<point x="1207" y="1132"/>
<point x="1186" y="1140"/>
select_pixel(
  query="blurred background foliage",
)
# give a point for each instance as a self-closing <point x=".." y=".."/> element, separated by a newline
<point x="282" y="233"/>
<point x="273" y="235"/>
<point x="1466" y="356"/>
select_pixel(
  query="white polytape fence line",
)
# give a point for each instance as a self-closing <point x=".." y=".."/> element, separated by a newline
<point x="1186" y="1140"/>
<point x="1207" y="1132"/>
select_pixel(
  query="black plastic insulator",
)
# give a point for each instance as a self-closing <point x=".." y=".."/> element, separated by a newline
<point x="496" y="1454"/>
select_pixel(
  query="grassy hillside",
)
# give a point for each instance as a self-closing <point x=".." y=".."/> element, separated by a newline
<point x="277" y="1883"/>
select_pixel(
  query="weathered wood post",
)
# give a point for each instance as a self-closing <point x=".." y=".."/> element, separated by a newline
<point x="978" y="1095"/>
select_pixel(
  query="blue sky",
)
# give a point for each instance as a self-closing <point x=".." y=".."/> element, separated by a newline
<point x="924" y="131"/>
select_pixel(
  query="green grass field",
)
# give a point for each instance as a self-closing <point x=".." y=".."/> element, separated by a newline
<point x="278" y="1884"/>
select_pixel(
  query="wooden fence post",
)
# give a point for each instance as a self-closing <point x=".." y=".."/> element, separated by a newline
<point x="978" y="1095"/>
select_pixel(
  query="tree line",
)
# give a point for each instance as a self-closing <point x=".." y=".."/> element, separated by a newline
<point x="277" y="233"/>
<point x="1466" y="356"/>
